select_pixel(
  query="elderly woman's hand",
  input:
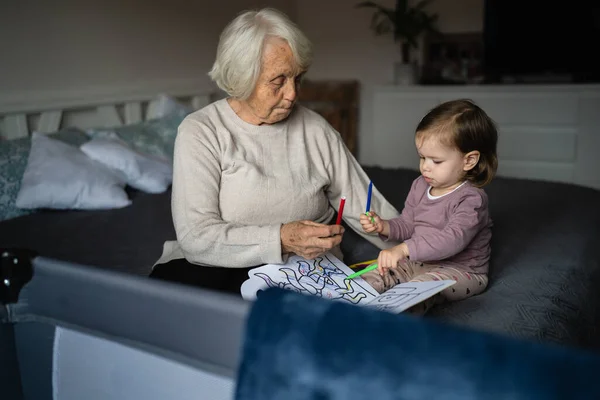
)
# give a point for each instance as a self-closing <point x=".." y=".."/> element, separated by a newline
<point x="309" y="239"/>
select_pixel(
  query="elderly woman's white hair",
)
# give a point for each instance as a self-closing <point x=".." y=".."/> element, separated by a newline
<point x="239" y="54"/>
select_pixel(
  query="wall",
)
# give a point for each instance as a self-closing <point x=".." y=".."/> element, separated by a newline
<point x="69" y="43"/>
<point x="346" y="48"/>
<point x="73" y="44"/>
<point x="66" y="44"/>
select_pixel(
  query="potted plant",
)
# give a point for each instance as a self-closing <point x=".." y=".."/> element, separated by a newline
<point x="405" y="22"/>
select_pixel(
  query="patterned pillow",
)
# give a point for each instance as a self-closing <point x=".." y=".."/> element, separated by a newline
<point x="166" y="129"/>
<point x="155" y="137"/>
<point x="13" y="161"/>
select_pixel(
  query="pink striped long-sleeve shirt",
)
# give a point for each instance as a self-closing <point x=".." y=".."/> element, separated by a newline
<point x="453" y="229"/>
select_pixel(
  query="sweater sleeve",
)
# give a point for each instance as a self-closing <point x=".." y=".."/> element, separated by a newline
<point x="347" y="178"/>
<point x="402" y="227"/>
<point x="204" y="237"/>
<point x="464" y="223"/>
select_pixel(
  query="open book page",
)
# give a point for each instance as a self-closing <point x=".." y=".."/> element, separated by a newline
<point x="405" y="295"/>
<point x="325" y="276"/>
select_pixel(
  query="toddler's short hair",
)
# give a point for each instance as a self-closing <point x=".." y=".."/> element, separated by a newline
<point x="465" y="126"/>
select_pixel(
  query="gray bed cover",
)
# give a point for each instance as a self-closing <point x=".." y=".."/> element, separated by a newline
<point x="544" y="276"/>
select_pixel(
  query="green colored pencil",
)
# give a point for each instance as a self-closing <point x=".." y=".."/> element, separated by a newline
<point x="372" y="218"/>
<point x="364" y="271"/>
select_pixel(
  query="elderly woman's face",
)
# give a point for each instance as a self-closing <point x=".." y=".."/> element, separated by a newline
<point x="277" y="87"/>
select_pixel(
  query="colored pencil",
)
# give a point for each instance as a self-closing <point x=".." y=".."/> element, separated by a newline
<point x="364" y="271"/>
<point x="341" y="210"/>
<point x="369" y="197"/>
<point x="362" y="264"/>
<point x="369" y="193"/>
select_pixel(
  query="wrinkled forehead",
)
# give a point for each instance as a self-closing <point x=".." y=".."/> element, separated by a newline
<point x="278" y="57"/>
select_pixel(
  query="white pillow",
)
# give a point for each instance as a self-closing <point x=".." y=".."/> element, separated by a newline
<point x="60" y="176"/>
<point x="142" y="171"/>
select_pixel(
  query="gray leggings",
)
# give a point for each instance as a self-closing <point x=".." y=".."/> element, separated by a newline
<point x="467" y="283"/>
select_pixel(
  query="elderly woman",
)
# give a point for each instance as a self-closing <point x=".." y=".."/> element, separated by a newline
<point x="256" y="176"/>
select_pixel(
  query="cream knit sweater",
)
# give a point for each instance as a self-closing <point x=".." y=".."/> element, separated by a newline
<point x="235" y="184"/>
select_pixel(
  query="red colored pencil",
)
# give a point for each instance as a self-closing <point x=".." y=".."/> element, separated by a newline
<point x="341" y="210"/>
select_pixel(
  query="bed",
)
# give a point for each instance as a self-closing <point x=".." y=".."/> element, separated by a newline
<point x="544" y="267"/>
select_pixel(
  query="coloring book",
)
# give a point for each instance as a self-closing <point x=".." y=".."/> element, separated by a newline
<point x="325" y="276"/>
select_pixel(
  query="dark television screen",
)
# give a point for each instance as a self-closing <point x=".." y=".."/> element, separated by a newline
<point x="533" y="39"/>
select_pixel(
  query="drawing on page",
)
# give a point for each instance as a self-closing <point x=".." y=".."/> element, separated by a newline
<point x="321" y="277"/>
<point x="405" y="295"/>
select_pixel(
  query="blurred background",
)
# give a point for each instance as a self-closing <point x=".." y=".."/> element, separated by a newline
<point x="47" y="45"/>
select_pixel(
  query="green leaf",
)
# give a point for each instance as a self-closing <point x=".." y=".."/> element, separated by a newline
<point x="422" y="4"/>
<point x="404" y="22"/>
<point x="370" y="4"/>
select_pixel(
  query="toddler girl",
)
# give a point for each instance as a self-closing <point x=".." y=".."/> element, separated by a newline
<point x="445" y="227"/>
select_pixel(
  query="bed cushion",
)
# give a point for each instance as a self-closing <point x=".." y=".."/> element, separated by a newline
<point x="13" y="161"/>
<point x="60" y="176"/>
<point x="155" y="137"/>
<point x="142" y="171"/>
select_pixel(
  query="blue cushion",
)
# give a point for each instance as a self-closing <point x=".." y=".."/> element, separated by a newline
<point x="303" y="347"/>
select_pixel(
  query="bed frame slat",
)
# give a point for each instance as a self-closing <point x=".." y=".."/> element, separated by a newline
<point x="15" y="126"/>
<point x="49" y="121"/>
<point x="88" y="107"/>
<point x="133" y="112"/>
<point x="108" y="116"/>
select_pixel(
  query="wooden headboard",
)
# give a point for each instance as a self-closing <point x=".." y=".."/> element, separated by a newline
<point x="337" y="102"/>
<point x="25" y="112"/>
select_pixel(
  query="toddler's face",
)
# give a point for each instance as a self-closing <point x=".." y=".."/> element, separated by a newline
<point x="442" y="166"/>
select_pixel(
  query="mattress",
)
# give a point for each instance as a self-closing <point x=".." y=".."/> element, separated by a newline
<point x="128" y="239"/>
<point x="544" y="270"/>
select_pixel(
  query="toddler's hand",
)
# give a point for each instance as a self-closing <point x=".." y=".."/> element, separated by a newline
<point x="390" y="258"/>
<point x="371" y="222"/>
